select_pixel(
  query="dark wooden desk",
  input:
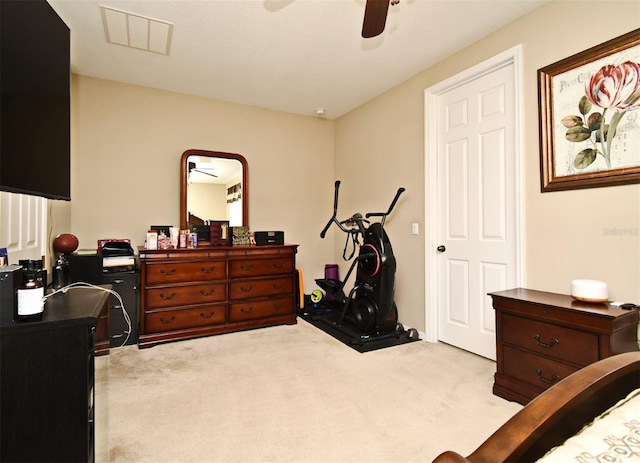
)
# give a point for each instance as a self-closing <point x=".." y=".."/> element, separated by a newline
<point x="47" y="381"/>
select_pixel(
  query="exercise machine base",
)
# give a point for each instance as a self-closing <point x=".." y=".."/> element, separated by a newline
<point x="326" y="318"/>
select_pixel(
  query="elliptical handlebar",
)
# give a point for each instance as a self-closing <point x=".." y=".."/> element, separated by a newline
<point x="385" y="214"/>
<point x="393" y="203"/>
<point x="335" y="211"/>
<point x="357" y="217"/>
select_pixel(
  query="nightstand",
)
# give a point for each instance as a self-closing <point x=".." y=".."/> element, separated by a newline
<point x="543" y="337"/>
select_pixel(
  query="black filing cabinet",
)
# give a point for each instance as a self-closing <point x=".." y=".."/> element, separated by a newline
<point x="126" y="284"/>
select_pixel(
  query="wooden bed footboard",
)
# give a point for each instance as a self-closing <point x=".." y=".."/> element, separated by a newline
<point x="558" y="413"/>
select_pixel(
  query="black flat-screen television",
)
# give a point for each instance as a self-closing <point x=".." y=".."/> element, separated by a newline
<point x="35" y="105"/>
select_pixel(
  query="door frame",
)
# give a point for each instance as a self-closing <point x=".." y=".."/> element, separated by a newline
<point x="511" y="56"/>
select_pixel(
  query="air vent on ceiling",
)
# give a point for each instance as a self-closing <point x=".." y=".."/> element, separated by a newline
<point x="136" y="31"/>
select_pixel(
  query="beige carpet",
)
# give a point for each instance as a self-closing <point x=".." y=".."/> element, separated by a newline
<point x="292" y="394"/>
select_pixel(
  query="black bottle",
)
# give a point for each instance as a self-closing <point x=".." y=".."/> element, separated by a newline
<point x="60" y="272"/>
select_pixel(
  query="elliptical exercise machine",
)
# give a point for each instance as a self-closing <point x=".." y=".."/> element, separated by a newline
<point x="369" y="311"/>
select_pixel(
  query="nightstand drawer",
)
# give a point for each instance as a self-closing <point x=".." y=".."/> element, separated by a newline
<point x="538" y="371"/>
<point x="578" y="347"/>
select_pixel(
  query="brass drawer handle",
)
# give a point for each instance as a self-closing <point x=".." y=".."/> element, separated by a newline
<point x="553" y="379"/>
<point x="278" y="265"/>
<point x="168" y="273"/>
<point x="205" y="316"/>
<point x="278" y="286"/>
<point x="207" y="293"/>
<point x="246" y="310"/>
<point x="553" y="342"/>
<point x="208" y="270"/>
<point x="246" y="268"/>
<point x="278" y="306"/>
<point x="170" y="320"/>
<point x="245" y="289"/>
<point x="167" y="297"/>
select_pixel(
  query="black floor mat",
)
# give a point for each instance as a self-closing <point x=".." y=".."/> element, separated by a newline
<point x="350" y="335"/>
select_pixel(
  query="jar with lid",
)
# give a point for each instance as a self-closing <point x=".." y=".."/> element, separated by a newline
<point x="31" y="291"/>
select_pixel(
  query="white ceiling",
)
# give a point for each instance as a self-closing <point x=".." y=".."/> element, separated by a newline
<point x="286" y="55"/>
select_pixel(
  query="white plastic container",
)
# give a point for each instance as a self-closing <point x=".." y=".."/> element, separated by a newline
<point x="589" y="290"/>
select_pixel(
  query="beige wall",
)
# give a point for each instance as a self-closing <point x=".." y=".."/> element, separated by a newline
<point x="568" y="234"/>
<point x="208" y="201"/>
<point x="127" y="143"/>
<point x="58" y="222"/>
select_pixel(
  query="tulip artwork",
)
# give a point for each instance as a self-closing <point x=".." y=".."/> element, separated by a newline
<point x="612" y="89"/>
<point x="589" y="108"/>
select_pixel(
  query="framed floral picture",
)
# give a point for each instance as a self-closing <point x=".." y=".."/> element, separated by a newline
<point x="589" y="108"/>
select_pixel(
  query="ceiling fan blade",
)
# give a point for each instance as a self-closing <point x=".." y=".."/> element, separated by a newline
<point x="192" y="168"/>
<point x="375" y="17"/>
<point x="203" y="172"/>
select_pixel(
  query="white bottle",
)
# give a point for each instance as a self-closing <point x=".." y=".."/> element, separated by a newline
<point x="30" y="294"/>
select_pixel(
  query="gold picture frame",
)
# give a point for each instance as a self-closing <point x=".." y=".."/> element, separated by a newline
<point x="589" y="108"/>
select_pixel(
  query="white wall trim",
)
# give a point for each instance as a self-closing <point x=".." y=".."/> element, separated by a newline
<point x="511" y="56"/>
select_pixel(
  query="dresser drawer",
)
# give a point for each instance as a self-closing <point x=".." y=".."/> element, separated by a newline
<point x="185" y="295"/>
<point x="179" y="272"/>
<point x="258" y="267"/>
<point x="574" y="346"/>
<point x="533" y="369"/>
<point x="184" y="318"/>
<point x="255" y="288"/>
<point x="260" y="309"/>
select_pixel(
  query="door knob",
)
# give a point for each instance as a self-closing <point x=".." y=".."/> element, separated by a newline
<point x="441" y="248"/>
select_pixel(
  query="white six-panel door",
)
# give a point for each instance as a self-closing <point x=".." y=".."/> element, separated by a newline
<point x="476" y="205"/>
<point x="23" y="226"/>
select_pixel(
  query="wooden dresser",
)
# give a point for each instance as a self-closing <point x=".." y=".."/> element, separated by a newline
<point x="188" y="293"/>
<point x="543" y="337"/>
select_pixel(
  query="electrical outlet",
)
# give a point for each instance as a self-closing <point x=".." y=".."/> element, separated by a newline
<point x="415" y="229"/>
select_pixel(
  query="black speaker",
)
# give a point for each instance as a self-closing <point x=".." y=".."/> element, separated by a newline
<point x="10" y="280"/>
<point x="86" y="268"/>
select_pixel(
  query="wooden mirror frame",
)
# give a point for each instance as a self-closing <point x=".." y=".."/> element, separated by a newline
<point x="212" y="154"/>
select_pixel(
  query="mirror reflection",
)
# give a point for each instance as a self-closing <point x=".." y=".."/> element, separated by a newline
<point x="213" y="188"/>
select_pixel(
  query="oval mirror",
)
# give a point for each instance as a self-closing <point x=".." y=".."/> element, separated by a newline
<point x="213" y="187"/>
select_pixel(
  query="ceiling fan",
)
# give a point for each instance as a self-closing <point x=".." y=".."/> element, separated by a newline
<point x="193" y="168"/>
<point x="375" y="17"/>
